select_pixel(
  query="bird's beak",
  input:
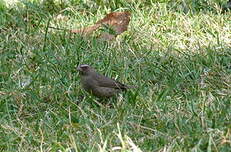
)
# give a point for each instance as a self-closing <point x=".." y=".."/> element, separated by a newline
<point x="78" y="68"/>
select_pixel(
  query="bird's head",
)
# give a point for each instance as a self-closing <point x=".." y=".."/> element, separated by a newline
<point x="84" y="69"/>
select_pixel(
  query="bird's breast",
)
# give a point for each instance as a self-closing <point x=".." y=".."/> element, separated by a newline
<point x="88" y="83"/>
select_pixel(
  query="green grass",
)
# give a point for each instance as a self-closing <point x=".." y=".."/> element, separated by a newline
<point x="177" y="53"/>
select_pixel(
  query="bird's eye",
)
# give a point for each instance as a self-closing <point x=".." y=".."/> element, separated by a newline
<point x="84" y="68"/>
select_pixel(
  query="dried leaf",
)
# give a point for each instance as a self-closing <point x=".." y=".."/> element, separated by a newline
<point x="115" y="21"/>
<point x="87" y="30"/>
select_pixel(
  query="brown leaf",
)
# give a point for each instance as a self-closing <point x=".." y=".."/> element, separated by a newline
<point x="117" y="21"/>
<point x="86" y="30"/>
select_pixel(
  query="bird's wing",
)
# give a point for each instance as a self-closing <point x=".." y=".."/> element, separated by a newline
<point x="104" y="81"/>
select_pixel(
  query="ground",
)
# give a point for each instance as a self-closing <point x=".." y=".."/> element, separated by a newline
<point x="176" y="52"/>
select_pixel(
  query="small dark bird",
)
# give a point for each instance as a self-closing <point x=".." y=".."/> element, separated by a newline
<point x="99" y="85"/>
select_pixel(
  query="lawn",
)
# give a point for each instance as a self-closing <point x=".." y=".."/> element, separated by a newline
<point x="177" y="53"/>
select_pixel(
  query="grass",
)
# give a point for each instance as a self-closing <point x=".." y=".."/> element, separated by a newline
<point x="178" y="53"/>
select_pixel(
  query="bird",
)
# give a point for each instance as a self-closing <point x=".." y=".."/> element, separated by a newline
<point x="98" y="84"/>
